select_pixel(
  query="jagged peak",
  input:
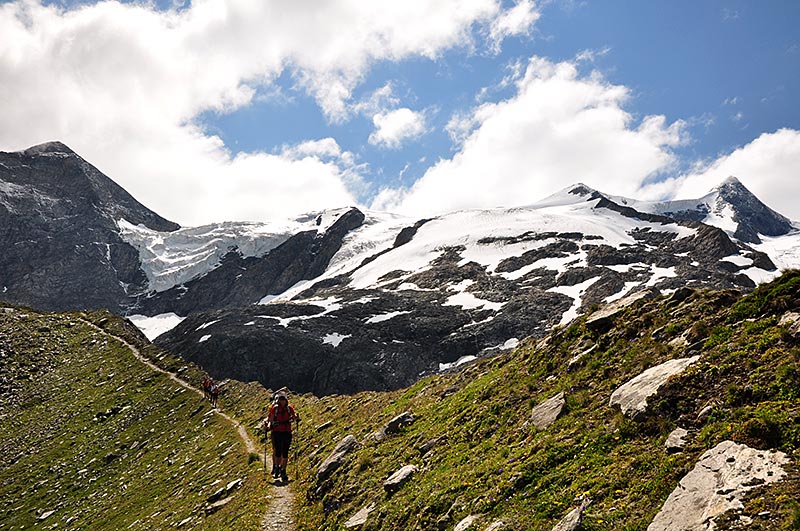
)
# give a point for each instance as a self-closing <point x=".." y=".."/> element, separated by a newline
<point x="49" y="147"/>
<point x="730" y="180"/>
<point x="581" y="189"/>
<point x="574" y="194"/>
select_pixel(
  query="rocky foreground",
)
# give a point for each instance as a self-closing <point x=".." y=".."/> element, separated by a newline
<point x="675" y="413"/>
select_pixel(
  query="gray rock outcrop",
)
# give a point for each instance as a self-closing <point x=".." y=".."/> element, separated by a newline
<point x="360" y="518"/>
<point x="676" y="440"/>
<point x="399" y="478"/>
<point x="605" y="316"/>
<point x="572" y="521"/>
<point x="466" y="522"/>
<point x="546" y="413"/>
<point x="716" y="485"/>
<point x="632" y="396"/>
<point x="398" y="423"/>
<point x="334" y="461"/>
<point x="791" y="320"/>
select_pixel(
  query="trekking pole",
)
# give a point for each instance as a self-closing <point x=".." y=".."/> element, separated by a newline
<point x="265" y="449"/>
<point x="296" y="442"/>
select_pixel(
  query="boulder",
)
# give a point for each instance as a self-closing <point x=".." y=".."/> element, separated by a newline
<point x="548" y="411"/>
<point x="791" y="320"/>
<point x="233" y="485"/>
<point x="360" y="518"/>
<point x="216" y="506"/>
<point x="604" y="317"/>
<point x="716" y="485"/>
<point x="497" y="525"/>
<point x="399" y="478"/>
<point x="345" y="446"/>
<point x="466" y="523"/>
<point x="398" y="423"/>
<point x="216" y="495"/>
<point x="676" y="440"/>
<point x="572" y="521"/>
<point x="632" y="396"/>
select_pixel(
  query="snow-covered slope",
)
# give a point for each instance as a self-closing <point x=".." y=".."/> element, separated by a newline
<point x="173" y="258"/>
<point x="402" y="297"/>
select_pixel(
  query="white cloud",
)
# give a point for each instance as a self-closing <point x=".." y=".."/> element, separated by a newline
<point x="395" y="127"/>
<point x="767" y="166"/>
<point x="326" y="147"/>
<point x="123" y="85"/>
<point x="559" y="128"/>
<point x="516" y="21"/>
<point x="379" y="100"/>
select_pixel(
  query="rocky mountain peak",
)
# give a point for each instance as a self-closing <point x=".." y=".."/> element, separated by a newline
<point x="752" y="216"/>
<point x="582" y="190"/>
<point x="52" y="174"/>
<point x="53" y="147"/>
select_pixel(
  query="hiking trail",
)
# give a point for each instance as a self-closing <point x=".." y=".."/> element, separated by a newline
<point x="278" y="516"/>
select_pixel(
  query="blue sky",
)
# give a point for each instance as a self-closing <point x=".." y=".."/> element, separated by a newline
<point x="684" y="90"/>
<point x="728" y="68"/>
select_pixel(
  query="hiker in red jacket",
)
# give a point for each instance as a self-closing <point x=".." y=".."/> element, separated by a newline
<point x="279" y="421"/>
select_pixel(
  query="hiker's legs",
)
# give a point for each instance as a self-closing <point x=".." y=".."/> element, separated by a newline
<point x="283" y="441"/>
<point x="274" y="454"/>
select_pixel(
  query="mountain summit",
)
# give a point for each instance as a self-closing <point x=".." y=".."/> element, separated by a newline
<point x="60" y="247"/>
<point x="730" y="206"/>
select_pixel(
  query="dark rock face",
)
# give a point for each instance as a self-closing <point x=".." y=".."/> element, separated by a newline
<point x="59" y="245"/>
<point x="753" y="216"/>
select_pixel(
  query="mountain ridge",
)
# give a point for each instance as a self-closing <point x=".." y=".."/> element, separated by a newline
<point x="360" y="300"/>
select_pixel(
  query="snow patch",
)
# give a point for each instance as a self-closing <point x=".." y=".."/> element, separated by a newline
<point x="335" y="339"/>
<point x="575" y="293"/>
<point x="461" y="286"/>
<point x="460" y="361"/>
<point x="621" y="293"/>
<point x="206" y="325"/>
<point x="154" y="326"/>
<point x="204" y="338"/>
<point x="660" y="273"/>
<point x="468" y="301"/>
<point x="738" y="260"/>
<point x="384" y="317"/>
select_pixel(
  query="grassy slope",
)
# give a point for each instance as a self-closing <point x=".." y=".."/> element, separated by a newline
<point x="490" y="462"/>
<point x="105" y="442"/>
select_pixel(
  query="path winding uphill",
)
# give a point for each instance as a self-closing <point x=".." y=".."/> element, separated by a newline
<point x="278" y="516"/>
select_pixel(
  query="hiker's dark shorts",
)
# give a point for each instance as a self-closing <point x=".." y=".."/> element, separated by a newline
<point x="281" y="440"/>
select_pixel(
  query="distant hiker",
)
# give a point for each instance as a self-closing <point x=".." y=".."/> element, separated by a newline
<point x="279" y="421"/>
<point x="207" y="387"/>
<point x="214" y="392"/>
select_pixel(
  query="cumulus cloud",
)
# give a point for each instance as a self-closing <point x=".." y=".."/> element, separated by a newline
<point x="767" y="166"/>
<point x="395" y="127"/>
<point x="516" y="21"/>
<point x="123" y="84"/>
<point x="559" y="128"/>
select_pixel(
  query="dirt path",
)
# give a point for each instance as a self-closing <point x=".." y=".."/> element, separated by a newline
<point x="279" y="515"/>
